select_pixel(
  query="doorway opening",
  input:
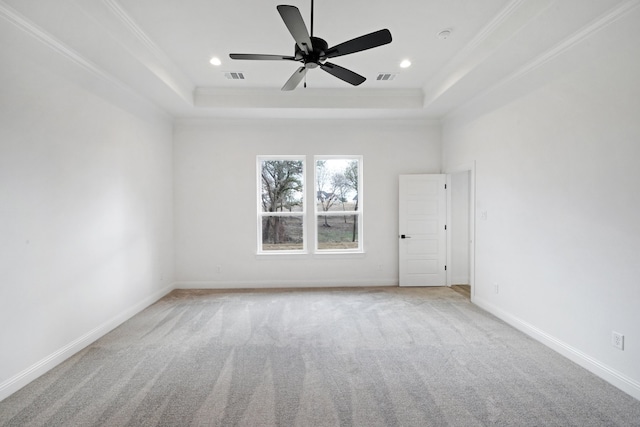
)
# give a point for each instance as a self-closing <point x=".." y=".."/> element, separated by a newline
<point x="460" y="238"/>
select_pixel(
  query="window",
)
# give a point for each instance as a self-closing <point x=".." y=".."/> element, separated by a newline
<point x="338" y="207"/>
<point x="335" y="224"/>
<point x="281" y="204"/>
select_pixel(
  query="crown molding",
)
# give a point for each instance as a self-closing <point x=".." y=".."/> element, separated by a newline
<point x="309" y="98"/>
<point x="33" y="30"/>
<point x="498" y="31"/>
<point x="73" y="63"/>
<point x="144" y="50"/>
<point x="493" y="25"/>
<point x="121" y="29"/>
<point x="596" y="25"/>
<point x="579" y="36"/>
<point x="344" y="120"/>
<point x="135" y="29"/>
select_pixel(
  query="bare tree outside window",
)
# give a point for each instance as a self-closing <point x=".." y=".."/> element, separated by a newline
<point x="282" y="199"/>
<point x="327" y="181"/>
<point x="337" y="203"/>
<point x="351" y="179"/>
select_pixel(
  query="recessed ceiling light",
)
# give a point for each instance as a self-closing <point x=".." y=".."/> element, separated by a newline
<point x="215" y="61"/>
<point x="405" y="64"/>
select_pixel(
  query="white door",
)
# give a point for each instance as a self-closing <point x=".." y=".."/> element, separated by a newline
<point x="422" y="230"/>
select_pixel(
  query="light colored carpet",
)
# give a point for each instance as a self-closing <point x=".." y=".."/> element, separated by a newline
<point x="351" y="357"/>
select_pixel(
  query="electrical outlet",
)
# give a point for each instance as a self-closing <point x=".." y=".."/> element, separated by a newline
<point x="617" y="340"/>
<point x="219" y="269"/>
<point x="496" y="289"/>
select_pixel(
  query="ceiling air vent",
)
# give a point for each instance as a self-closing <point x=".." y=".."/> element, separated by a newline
<point x="386" y="76"/>
<point x="235" y="75"/>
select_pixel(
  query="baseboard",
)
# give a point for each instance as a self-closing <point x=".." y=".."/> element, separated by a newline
<point x="18" y="381"/>
<point x="267" y="284"/>
<point x="617" y="379"/>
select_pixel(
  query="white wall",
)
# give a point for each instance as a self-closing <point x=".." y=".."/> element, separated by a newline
<point x="85" y="214"/>
<point x="557" y="175"/>
<point x="215" y="198"/>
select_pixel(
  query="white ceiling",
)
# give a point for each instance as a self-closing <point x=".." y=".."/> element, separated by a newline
<point x="160" y="50"/>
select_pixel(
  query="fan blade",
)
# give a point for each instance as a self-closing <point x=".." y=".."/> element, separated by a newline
<point x="368" y="41"/>
<point x="342" y="73"/>
<point x="294" y="22"/>
<point x="295" y="79"/>
<point x="261" y="57"/>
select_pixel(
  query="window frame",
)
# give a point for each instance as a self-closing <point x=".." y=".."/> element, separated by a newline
<point x="359" y="213"/>
<point x="261" y="214"/>
<point x="309" y="195"/>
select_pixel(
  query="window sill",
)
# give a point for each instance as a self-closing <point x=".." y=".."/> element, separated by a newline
<point x="339" y="255"/>
<point x="281" y="255"/>
<point x="299" y="255"/>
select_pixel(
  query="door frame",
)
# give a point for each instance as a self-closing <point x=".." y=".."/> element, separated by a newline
<point x="471" y="168"/>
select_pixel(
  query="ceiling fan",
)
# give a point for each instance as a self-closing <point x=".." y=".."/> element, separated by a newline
<point x="313" y="52"/>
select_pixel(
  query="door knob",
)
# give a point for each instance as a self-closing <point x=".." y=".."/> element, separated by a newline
<point x="404" y="236"/>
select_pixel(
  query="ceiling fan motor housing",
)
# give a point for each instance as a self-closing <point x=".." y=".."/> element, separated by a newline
<point x="317" y="54"/>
